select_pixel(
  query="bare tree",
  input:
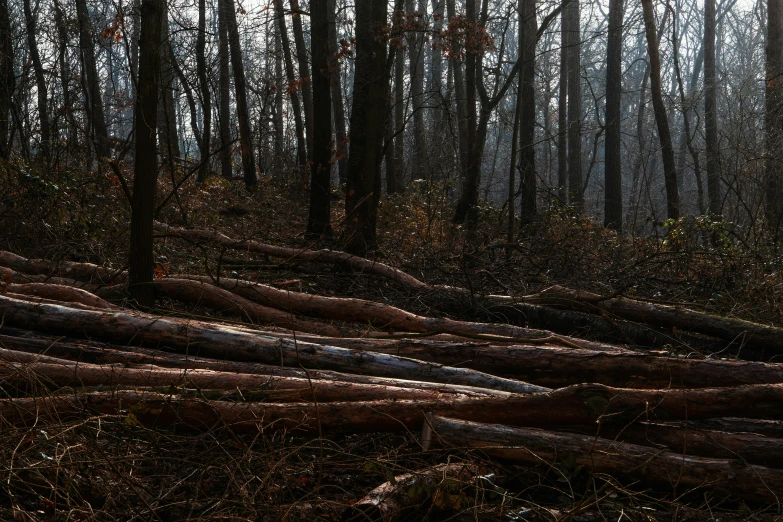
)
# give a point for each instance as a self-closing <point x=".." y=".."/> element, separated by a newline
<point x="7" y="82"/>
<point x="304" y="74"/>
<point x="613" y="206"/>
<point x="206" y="93"/>
<point x="40" y="80"/>
<point x="94" y="102"/>
<point x="772" y="183"/>
<point x="711" y="110"/>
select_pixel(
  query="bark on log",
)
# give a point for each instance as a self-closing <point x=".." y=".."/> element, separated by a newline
<point x="30" y="350"/>
<point x="61" y="374"/>
<point x="741" y="331"/>
<point x="86" y="272"/>
<point x="222" y="342"/>
<point x="210" y="296"/>
<point x="579" y="405"/>
<point x="379" y="314"/>
<point x="555" y="366"/>
<point x="62" y="293"/>
<point x="675" y="471"/>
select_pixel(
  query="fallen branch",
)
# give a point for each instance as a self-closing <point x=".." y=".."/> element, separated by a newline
<point x="675" y="471"/>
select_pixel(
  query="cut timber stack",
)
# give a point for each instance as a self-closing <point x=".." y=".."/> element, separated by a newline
<point x="68" y="349"/>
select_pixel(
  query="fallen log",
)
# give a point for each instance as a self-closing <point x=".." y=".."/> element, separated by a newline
<point x="579" y="405"/>
<point x="207" y="295"/>
<point x="676" y="472"/>
<point x="222" y="342"/>
<point x="32" y="350"/>
<point x="555" y="366"/>
<point x="381" y="315"/>
<point x="331" y="257"/>
<point x="732" y="329"/>
<point x="61" y="293"/>
<point x="61" y="374"/>
<point x="86" y="272"/>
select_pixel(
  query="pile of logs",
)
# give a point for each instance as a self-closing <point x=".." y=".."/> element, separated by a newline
<point x="688" y="423"/>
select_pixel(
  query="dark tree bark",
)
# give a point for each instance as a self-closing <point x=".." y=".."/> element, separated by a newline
<point x="7" y="83"/>
<point x="40" y="80"/>
<point x="436" y="69"/>
<point x="613" y="177"/>
<point x="240" y="89"/>
<point x="206" y="94"/>
<point x="168" y="141"/>
<point x="562" y="115"/>
<point x="574" y="71"/>
<point x="94" y="102"/>
<point x="140" y="264"/>
<point x="399" y="124"/>
<point x="460" y="99"/>
<point x="661" y="119"/>
<point x="304" y="75"/>
<point x="467" y="206"/>
<point x="318" y="223"/>
<point x="773" y="120"/>
<point x="301" y="147"/>
<point x="366" y="134"/>
<point x="280" y="160"/>
<point x="527" y="123"/>
<point x="416" y="71"/>
<point x="224" y="108"/>
<point x="711" y="111"/>
<point x="338" y="110"/>
<point x="65" y="72"/>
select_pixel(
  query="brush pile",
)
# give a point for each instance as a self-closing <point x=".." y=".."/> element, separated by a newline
<point x="685" y="400"/>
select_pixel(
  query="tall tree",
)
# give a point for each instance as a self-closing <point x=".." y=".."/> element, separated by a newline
<point x="396" y="183"/>
<point x="661" y="119"/>
<point x="140" y="264"/>
<point x="304" y="74"/>
<point x="338" y="110"/>
<point x="436" y="69"/>
<point x="613" y="181"/>
<point x="318" y="223"/>
<point x="366" y="133"/>
<point x="7" y="82"/>
<point x="94" y="101"/>
<point x="574" y="33"/>
<point x="167" y="117"/>
<point x="206" y="93"/>
<point x="562" y="113"/>
<point x="710" y="111"/>
<point x="65" y="71"/>
<point x="40" y="80"/>
<point x="240" y="90"/>
<point x="278" y="103"/>
<point x="416" y="71"/>
<point x="527" y="122"/>
<point x="301" y="146"/>
<point x="224" y="86"/>
<point x="773" y="188"/>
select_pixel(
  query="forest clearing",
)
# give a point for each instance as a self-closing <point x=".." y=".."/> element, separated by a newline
<point x="391" y="260"/>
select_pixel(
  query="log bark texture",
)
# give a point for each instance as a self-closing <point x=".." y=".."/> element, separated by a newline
<point x="678" y="472"/>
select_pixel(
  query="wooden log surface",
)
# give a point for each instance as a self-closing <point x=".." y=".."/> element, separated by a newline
<point x="675" y="472"/>
<point x="220" y="342"/>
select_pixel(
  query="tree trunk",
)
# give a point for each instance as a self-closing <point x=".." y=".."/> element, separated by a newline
<point x="243" y="112"/>
<point x="562" y="114"/>
<point x="7" y="81"/>
<point x="773" y="187"/>
<point x="607" y="456"/>
<point x="304" y="74"/>
<point x="301" y="146"/>
<point x="65" y="74"/>
<point x="661" y="119"/>
<point x="94" y="102"/>
<point x="460" y="101"/>
<point x="613" y="177"/>
<point x="168" y="141"/>
<point x="527" y="135"/>
<point x="436" y="69"/>
<point x="224" y="108"/>
<point x="40" y="81"/>
<point x="366" y="134"/>
<point x="399" y="122"/>
<point x="338" y="110"/>
<point x="318" y="222"/>
<point x="141" y="262"/>
<point x="574" y="71"/>
<point x="206" y="93"/>
<point x="280" y="149"/>
<point x="711" y="112"/>
<point x="416" y="71"/>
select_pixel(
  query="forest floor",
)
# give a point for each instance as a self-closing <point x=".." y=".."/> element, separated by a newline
<point x="109" y="468"/>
